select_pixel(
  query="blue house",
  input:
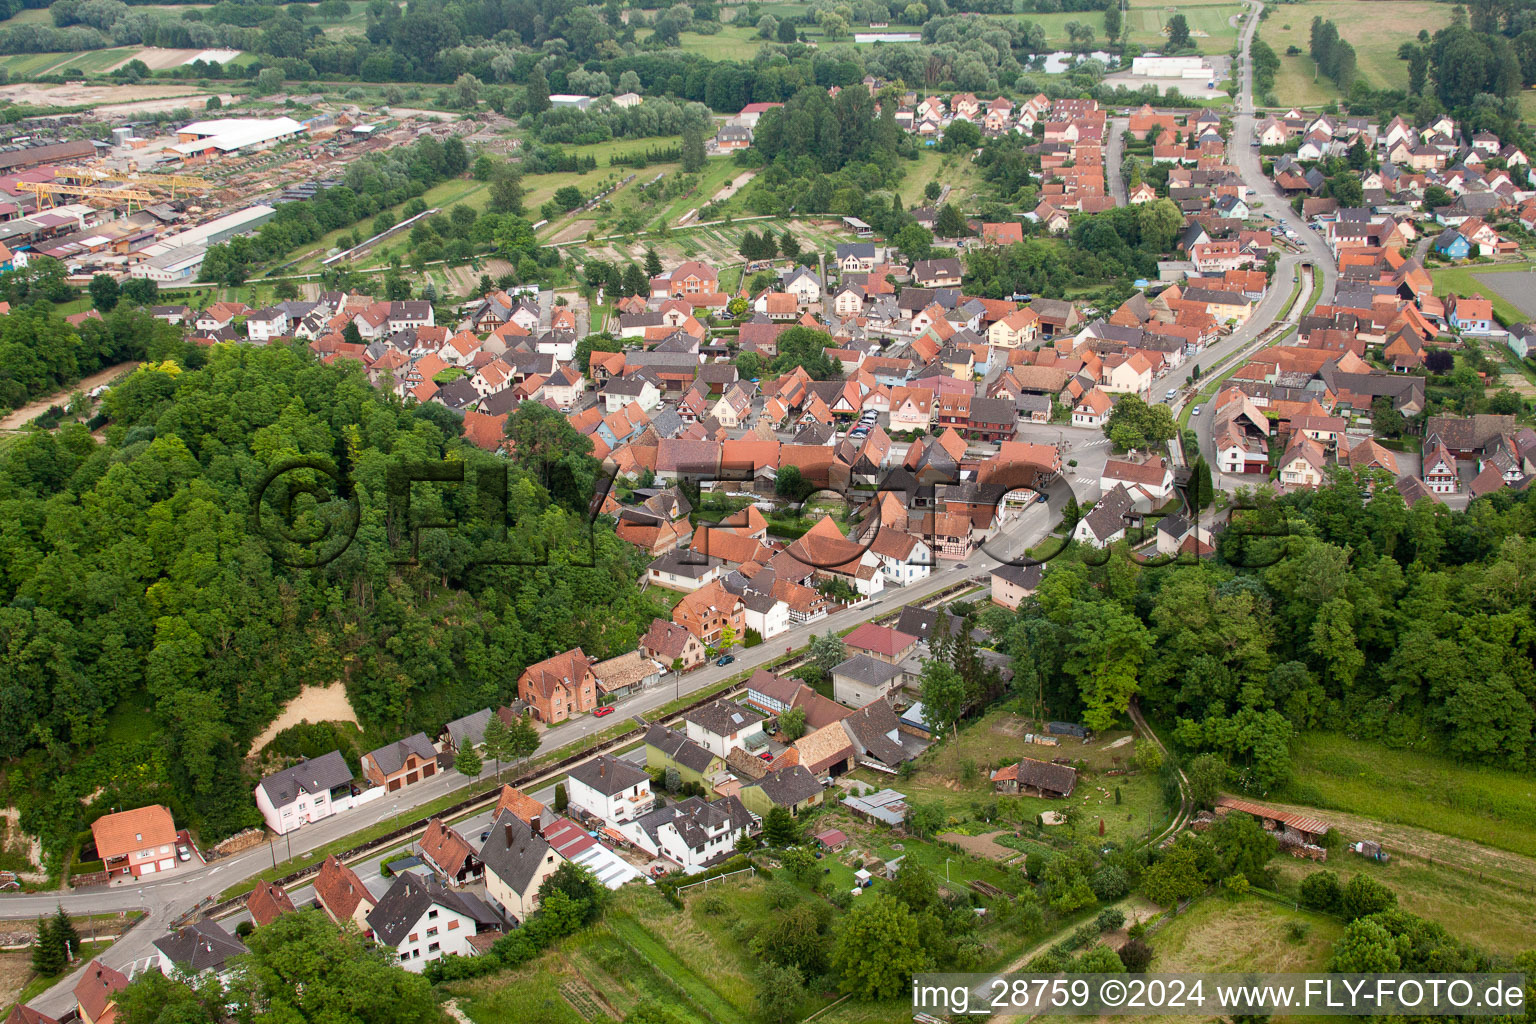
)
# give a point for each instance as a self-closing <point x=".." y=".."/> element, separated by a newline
<point x="1522" y="339"/>
<point x="1453" y="244"/>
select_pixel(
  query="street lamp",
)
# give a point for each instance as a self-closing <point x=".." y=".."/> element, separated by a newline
<point x="946" y="869"/>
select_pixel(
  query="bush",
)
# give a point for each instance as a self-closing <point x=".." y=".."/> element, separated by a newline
<point x="1363" y="896"/>
<point x="1109" y="919"/>
<point x="1320" y="891"/>
<point x="1136" y="955"/>
<point x="1297" y="931"/>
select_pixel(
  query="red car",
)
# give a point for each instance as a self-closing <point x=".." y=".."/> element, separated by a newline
<point x="766" y="756"/>
<point x="600" y="712"/>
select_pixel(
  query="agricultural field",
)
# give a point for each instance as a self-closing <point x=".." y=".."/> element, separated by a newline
<point x="958" y="776"/>
<point x="1425" y="791"/>
<point x="1210" y="25"/>
<point x="1376" y="28"/>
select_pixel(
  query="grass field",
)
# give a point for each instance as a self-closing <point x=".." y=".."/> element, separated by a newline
<point x="1218" y="934"/>
<point x="1466" y="280"/>
<point x="1491" y="908"/>
<point x="1376" y="28"/>
<point x="943" y="777"/>
<point x="1428" y="791"/>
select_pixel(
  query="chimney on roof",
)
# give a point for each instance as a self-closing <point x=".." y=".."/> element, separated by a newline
<point x="508" y="828"/>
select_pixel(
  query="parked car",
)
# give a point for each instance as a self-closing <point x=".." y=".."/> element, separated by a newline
<point x="1171" y="395"/>
<point x="726" y="660"/>
<point x="600" y="712"/>
<point x="182" y="853"/>
<point x="766" y="756"/>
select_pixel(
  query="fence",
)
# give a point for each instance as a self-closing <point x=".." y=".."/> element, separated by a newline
<point x="718" y="878"/>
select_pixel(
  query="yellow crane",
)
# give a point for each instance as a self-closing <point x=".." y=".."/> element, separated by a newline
<point x="168" y="182"/>
<point x="46" y="190"/>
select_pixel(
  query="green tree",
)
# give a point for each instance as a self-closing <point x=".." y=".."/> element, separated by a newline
<point x="467" y="762"/>
<point x="466" y="90"/>
<point x="1112" y="19"/>
<point x="779" y="989"/>
<point x="789" y="245"/>
<point x="545" y="443"/>
<point x="1207" y="774"/>
<point x="1320" y="891"/>
<point x="693" y="147"/>
<point x="653" y="267"/>
<point x="1362" y="896"/>
<point x="153" y="998"/>
<point x="801" y="864"/>
<point x="65" y="934"/>
<point x="779" y="828"/>
<point x="915" y="242"/>
<point x="878" y="948"/>
<point x="47" y="951"/>
<point x="792" y="724"/>
<point x="1134" y="425"/>
<point x="522" y="738"/>
<point x="506" y="191"/>
<point x="943" y="696"/>
<point x="302" y="968"/>
<point x="104" y="292"/>
<point x="1366" y="948"/>
<point x="1178" y="32"/>
<point x="826" y="652"/>
<point x="1178" y="875"/>
<point x="950" y="224"/>
<point x="577" y="883"/>
<point x="786" y="31"/>
<point x="562" y="801"/>
<point x="536" y="98"/>
<point x="497" y="743"/>
<point x="1202" y="492"/>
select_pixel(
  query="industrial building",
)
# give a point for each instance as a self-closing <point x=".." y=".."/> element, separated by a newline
<point x="203" y="139"/>
<point x="178" y="257"/>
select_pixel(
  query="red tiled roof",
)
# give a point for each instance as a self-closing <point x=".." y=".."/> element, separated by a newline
<point x="139" y="829"/>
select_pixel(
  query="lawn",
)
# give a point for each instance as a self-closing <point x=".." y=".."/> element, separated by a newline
<point x="1375" y="29"/>
<point x="1222" y="935"/>
<point x="958" y="776"/>
<point x="733" y="42"/>
<point x="643" y="950"/>
<point x="1430" y="791"/>
<point x="1492" y="908"/>
<point x="1474" y="278"/>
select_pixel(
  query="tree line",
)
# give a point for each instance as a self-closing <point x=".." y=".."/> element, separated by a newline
<point x="136" y="585"/>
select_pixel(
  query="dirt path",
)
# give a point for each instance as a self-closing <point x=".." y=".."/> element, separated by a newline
<point x="731" y="188"/>
<point x="982" y="845"/>
<point x="26" y="414"/>
<point x="1462" y="855"/>
<point x="313" y="704"/>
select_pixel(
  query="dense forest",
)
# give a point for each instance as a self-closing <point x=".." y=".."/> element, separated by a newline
<point x="1323" y="610"/>
<point x="149" y="631"/>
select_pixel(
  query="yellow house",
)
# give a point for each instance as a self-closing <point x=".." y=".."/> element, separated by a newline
<point x="516" y="864"/>
<point x="1021" y="328"/>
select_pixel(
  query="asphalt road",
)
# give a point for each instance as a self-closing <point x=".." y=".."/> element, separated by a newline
<point x="1114" y="154"/>
<point x="165" y="899"/>
<point x="168" y="898"/>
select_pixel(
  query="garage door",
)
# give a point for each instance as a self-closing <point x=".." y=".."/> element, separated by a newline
<point x="167" y="864"/>
<point x="146" y="869"/>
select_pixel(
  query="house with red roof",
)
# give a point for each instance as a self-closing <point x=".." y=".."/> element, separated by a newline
<point x="559" y="686"/>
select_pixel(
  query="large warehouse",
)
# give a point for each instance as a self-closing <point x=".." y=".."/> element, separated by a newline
<point x="202" y="139"/>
